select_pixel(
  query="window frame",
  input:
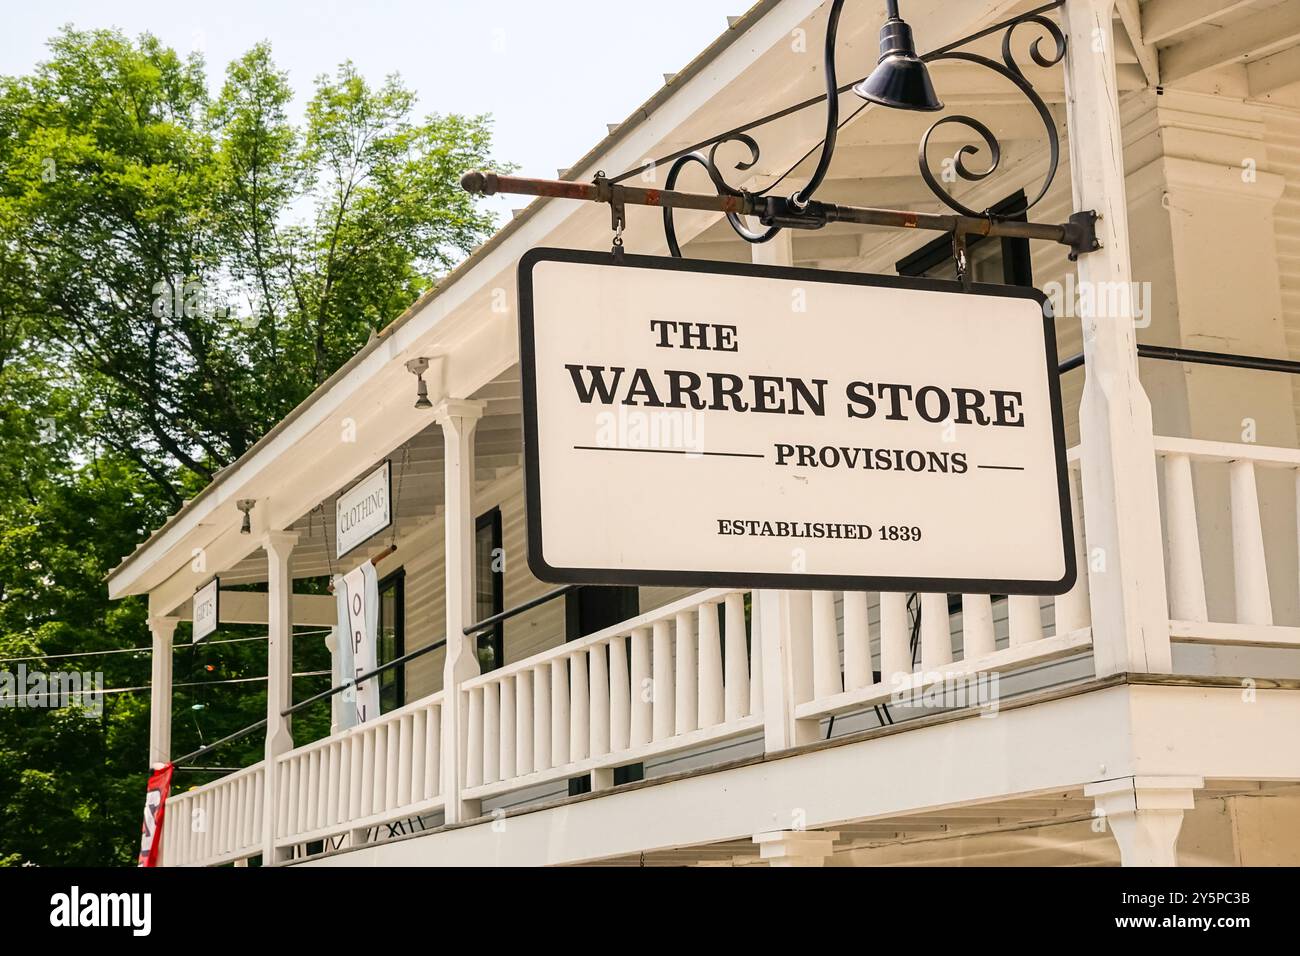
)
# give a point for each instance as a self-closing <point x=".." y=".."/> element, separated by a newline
<point x="397" y="582"/>
<point x="495" y="637"/>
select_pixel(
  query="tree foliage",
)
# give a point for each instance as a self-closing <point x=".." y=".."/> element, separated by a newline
<point x="178" y="270"/>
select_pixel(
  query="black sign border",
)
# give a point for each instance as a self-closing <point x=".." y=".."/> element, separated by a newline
<point x="387" y="464"/>
<point x="544" y="571"/>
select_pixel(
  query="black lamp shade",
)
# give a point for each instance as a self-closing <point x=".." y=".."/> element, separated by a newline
<point x="900" y="79"/>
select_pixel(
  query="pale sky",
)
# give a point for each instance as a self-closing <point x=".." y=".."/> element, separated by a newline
<point x="552" y="73"/>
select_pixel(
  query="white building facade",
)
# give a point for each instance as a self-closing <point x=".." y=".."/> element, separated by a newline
<point x="1148" y="716"/>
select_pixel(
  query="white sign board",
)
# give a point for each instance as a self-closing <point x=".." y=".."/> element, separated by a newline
<point x="709" y="424"/>
<point x="364" y="510"/>
<point x="206" y="608"/>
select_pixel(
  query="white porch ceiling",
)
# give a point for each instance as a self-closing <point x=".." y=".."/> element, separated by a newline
<point x="417" y="485"/>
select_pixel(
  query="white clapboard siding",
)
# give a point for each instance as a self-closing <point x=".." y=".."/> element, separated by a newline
<point x="1282" y="139"/>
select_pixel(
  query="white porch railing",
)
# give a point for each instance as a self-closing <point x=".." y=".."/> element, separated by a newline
<point x="650" y="686"/>
<point x="382" y="771"/>
<point x="1253" y="606"/>
<point x="837" y="690"/>
<point x="218" y="823"/>
<point x="689" y="674"/>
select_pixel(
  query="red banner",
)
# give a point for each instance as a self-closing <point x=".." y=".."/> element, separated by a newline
<point x="155" y="801"/>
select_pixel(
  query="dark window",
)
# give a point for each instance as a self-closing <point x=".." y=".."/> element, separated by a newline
<point x="489" y="589"/>
<point x="392" y="640"/>
<point x="996" y="261"/>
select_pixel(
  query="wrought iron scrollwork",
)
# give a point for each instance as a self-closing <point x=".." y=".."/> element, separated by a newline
<point x="801" y="199"/>
<point x="800" y="211"/>
<point x="1011" y="71"/>
<point x="709" y="161"/>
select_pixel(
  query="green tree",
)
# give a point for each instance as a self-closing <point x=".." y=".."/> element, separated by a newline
<point x="178" y="270"/>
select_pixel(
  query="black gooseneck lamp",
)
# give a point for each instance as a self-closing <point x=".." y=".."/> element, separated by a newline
<point x="900" y="79"/>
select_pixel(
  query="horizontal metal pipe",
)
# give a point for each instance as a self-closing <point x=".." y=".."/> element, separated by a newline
<point x="395" y="662"/>
<point x="251" y="728"/>
<point x="1166" y="353"/>
<point x="488" y="184"/>
<point x="518" y="609"/>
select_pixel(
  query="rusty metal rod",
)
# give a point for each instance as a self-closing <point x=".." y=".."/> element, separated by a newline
<point x="772" y="210"/>
<point x="488" y="184"/>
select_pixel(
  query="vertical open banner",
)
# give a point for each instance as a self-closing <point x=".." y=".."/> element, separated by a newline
<point x="710" y="424"/>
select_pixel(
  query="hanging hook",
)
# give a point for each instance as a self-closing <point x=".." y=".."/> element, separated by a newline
<point x="960" y="258"/>
<point x="615" y="196"/>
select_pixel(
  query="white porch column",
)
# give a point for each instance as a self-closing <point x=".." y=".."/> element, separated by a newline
<point x="1145" y="814"/>
<point x="458" y="419"/>
<point x="160" y="690"/>
<point x="786" y="648"/>
<point x="786" y="635"/>
<point x="1120" y="499"/>
<point x="279" y="669"/>
<point x="796" y="847"/>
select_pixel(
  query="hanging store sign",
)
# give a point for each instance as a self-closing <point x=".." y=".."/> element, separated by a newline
<point x="206" y="611"/>
<point x="708" y="424"/>
<point x="364" y="510"/>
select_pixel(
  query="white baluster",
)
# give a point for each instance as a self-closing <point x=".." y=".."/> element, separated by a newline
<point x="936" y="632"/>
<point x="895" y="638"/>
<point x="977" y="638"/>
<point x="1024" y="619"/>
<point x="419" y="751"/>
<point x="801" y="643"/>
<point x="710" y="679"/>
<point x="1250" y="573"/>
<point x="381" y="768"/>
<point x="474" y="733"/>
<point x="579" y="708"/>
<point x="857" y="641"/>
<point x="737" y="658"/>
<point x="620" y="696"/>
<point x="297" y="786"/>
<point x="253" y="830"/>
<point x="402" y="792"/>
<point x="1186" y="578"/>
<point x="321" y="817"/>
<point x="508" y="728"/>
<point x="524" y="722"/>
<point x="236" y="838"/>
<point x="313" y="788"/>
<point x="559" y="712"/>
<point x="433" y="755"/>
<point x="826" y="647"/>
<point x="283" y="795"/>
<point x="598" y="672"/>
<point x="222" y="794"/>
<point x="542" y="717"/>
<point x="641" y="689"/>
<point x="208" y="824"/>
<point x="664" y="706"/>
<point x="356" y="773"/>
<point x="686" y="688"/>
<point x="491" y="732"/>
